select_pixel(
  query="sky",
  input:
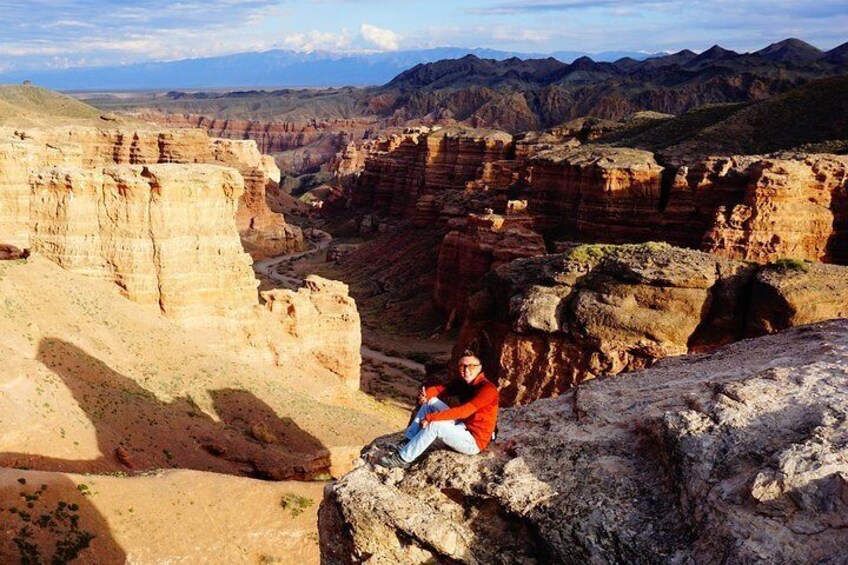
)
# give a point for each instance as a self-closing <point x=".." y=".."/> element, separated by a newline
<point x="40" y="34"/>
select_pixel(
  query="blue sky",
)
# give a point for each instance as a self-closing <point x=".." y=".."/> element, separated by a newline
<point x="63" y="33"/>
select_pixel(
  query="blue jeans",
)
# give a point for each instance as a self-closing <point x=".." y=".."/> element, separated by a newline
<point x="451" y="432"/>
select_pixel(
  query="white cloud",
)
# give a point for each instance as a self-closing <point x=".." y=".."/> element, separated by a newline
<point x="382" y="38"/>
<point x="316" y="41"/>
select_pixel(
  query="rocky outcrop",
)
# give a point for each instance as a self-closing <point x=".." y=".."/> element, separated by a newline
<point x="299" y="147"/>
<point x="756" y="207"/>
<point x="167" y="234"/>
<point x="163" y="233"/>
<point x="791" y="207"/>
<point x="423" y="162"/>
<point x="24" y="153"/>
<point x="545" y="324"/>
<point x="322" y="319"/>
<point x="263" y="232"/>
<point x="606" y="194"/>
<point x="792" y="293"/>
<point x="739" y="456"/>
<point x="486" y="241"/>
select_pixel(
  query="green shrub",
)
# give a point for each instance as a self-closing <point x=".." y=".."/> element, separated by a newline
<point x="792" y="265"/>
<point x="295" y="504"/>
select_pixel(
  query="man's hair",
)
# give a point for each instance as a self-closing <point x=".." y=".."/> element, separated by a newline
<point x="469" y="353"/>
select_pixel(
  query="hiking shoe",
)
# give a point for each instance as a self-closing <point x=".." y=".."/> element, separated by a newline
<point x="400" y="444"/>
<point x="392" y="461"/>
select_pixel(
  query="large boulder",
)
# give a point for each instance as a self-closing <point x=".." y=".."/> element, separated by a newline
<point x="545" y="324"/>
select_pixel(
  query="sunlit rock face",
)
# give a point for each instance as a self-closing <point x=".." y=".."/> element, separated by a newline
<point x="425" y="163"/>
<point x="169" y="217"/>
<point x="791" y="208"/>
<point x="23" y="153"/>
<point x="163" y="233"/>
<point x="483" y="242"/>
<point x="750" y="207"/>
<point x="738" y="454"/>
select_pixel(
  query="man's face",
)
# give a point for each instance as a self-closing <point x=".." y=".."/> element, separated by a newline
<point x="469" y="368"/>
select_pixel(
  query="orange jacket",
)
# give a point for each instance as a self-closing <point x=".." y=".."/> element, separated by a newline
<point x="480" y="414"/>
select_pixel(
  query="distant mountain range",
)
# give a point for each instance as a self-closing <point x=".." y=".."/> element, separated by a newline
<point x="276" y="68"/>
<point x="792" y="57"/>
<point x="516" y="94"/>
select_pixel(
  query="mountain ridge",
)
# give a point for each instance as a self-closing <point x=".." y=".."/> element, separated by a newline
<point x="282" y="68"/>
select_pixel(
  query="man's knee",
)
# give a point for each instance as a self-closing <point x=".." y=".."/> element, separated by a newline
<point x="441" y="426"/>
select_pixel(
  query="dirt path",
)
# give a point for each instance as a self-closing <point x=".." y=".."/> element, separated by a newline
<point x="374" y="355"/>
<point x="269" y="267"/>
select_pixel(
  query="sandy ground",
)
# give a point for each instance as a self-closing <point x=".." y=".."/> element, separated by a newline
<point x="98" y="390"/>
<point x="126" y="438"/>
<point x="166" y="517"/>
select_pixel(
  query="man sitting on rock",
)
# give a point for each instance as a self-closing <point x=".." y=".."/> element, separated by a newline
<point x="467" y="428"/>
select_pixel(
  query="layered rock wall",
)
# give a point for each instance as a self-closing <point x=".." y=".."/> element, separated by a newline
<point x="421" y="162"/>
<point x="758" y="208"/>
<point x="484" y="242"/>
<point x="27" y="152"/>
<point x="163" y="233"/>
<point x="794" y="207"/>
<point x="299" y="147"/>
<point x="165" y="227"/>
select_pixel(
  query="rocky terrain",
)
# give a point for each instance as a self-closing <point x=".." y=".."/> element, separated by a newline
<point x="299" y="147"/>
<point x="507" y="205"/>
<point x="543" y="191"/>
<point x="26" y="152"/>
<point x="94" y="385"/>
<point x="736" y="456"/>
<point x="573" y="260"/>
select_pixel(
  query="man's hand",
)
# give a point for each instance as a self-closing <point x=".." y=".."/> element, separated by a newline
<point x="422" y="396"/>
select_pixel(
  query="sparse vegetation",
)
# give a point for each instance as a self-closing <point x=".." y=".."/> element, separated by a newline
<point x="48" y="534"/>
<point x="295" y="504"/>
<point x="589" y="252"/>
<point x="801" y="265"/>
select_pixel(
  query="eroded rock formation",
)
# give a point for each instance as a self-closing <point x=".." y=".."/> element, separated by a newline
<point x="484" y="242"/>
<point x="24" y="153"/>
<point x="545" y="324"/>
<point x="298" y="147"/>
<point x="167" y="233"/>
<point x="422" y="163"/>
<point x="738" y="456"/>
<point x="756" y="207"/>
<point x="163" y="233"/>
<point x="791" y="207"/>
<point x="323" y="320"/>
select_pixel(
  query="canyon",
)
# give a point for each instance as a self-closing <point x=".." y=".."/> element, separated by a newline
<point x="635" y="302"/>
<point x="510" y="267"/>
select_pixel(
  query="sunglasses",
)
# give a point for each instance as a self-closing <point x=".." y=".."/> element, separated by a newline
<point x="469" y="366"/>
